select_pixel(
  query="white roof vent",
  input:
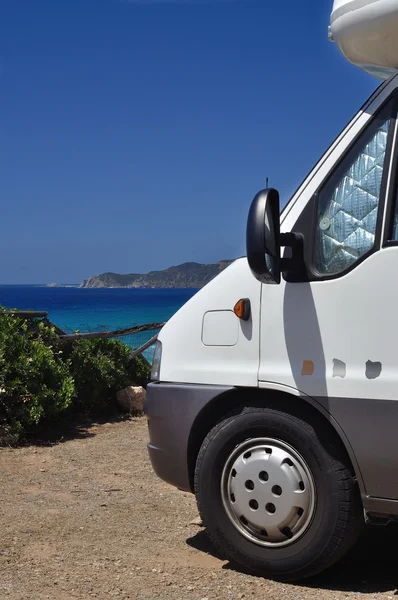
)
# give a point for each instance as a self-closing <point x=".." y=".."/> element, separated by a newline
<point x="366" y="33"/>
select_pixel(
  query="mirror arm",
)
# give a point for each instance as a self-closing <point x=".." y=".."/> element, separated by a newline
<point x="295" y="241"/>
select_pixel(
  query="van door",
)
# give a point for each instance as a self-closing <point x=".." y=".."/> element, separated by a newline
<point x="331" y="335"/>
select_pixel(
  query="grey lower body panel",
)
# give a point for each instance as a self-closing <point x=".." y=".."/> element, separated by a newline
<point x="171" y="410"/>
<point x="371" y="427"/>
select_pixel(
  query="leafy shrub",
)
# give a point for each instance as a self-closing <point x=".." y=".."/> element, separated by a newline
<point x="139" y="372"/>
<point x="101" y="367"/>
<point x="40" y="379"/>
<point x="35" y="381"/>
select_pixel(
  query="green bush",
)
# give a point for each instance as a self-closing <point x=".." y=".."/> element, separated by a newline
<point x="35" y="380"/>
<point x="101" y="367"/>
<point x="41" y="380"/>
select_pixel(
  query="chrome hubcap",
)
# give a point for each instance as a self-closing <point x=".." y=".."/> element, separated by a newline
<point x="268" y="492"/>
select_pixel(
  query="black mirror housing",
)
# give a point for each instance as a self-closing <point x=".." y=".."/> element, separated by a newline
<point x="263" y="237"/>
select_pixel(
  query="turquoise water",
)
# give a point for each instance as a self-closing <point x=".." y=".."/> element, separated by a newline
<point x="88" y="309"/>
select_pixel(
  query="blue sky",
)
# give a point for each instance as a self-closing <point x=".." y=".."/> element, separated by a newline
<point x="134" y="134"/>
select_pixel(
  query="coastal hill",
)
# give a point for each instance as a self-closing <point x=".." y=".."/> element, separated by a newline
<point x="187" y="275"/>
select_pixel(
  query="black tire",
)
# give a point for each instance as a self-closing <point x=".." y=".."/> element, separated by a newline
<point x="337" y="518"/>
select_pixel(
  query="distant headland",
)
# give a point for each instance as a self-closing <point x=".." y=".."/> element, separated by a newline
<point x="187" y="275"/>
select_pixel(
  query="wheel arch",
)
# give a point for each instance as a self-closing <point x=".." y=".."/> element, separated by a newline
<point x="271" y="396"/>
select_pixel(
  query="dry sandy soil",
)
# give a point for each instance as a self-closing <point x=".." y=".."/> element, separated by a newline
<point x="87" y="518"/>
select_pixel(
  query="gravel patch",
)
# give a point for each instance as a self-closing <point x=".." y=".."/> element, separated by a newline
<point x="87" y="518"/>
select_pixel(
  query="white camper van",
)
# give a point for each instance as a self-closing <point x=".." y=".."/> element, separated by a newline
<point x="275" y="388"/>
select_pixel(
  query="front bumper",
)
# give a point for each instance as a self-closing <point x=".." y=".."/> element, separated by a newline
<point x="171" y="410"/>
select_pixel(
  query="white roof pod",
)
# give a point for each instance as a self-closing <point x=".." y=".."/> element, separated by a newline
<point x="366" y="32"/>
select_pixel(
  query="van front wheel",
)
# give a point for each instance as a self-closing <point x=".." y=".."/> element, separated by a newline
<point x="275" y="495"/>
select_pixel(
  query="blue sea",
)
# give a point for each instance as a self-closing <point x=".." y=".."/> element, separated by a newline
<point x="90" y="309"/>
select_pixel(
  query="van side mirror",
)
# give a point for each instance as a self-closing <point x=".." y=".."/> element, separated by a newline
<point x="263" y="237"/>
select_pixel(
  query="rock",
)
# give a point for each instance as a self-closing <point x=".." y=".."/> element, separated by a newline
<point x="131" y="399"/>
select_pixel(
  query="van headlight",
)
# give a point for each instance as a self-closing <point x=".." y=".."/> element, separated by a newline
<point x="157" y="358"/>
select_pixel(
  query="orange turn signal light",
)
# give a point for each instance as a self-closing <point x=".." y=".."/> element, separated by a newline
<point x="242" y="309"/>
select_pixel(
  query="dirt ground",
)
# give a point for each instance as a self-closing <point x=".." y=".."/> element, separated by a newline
<point x="87" y="518"/>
